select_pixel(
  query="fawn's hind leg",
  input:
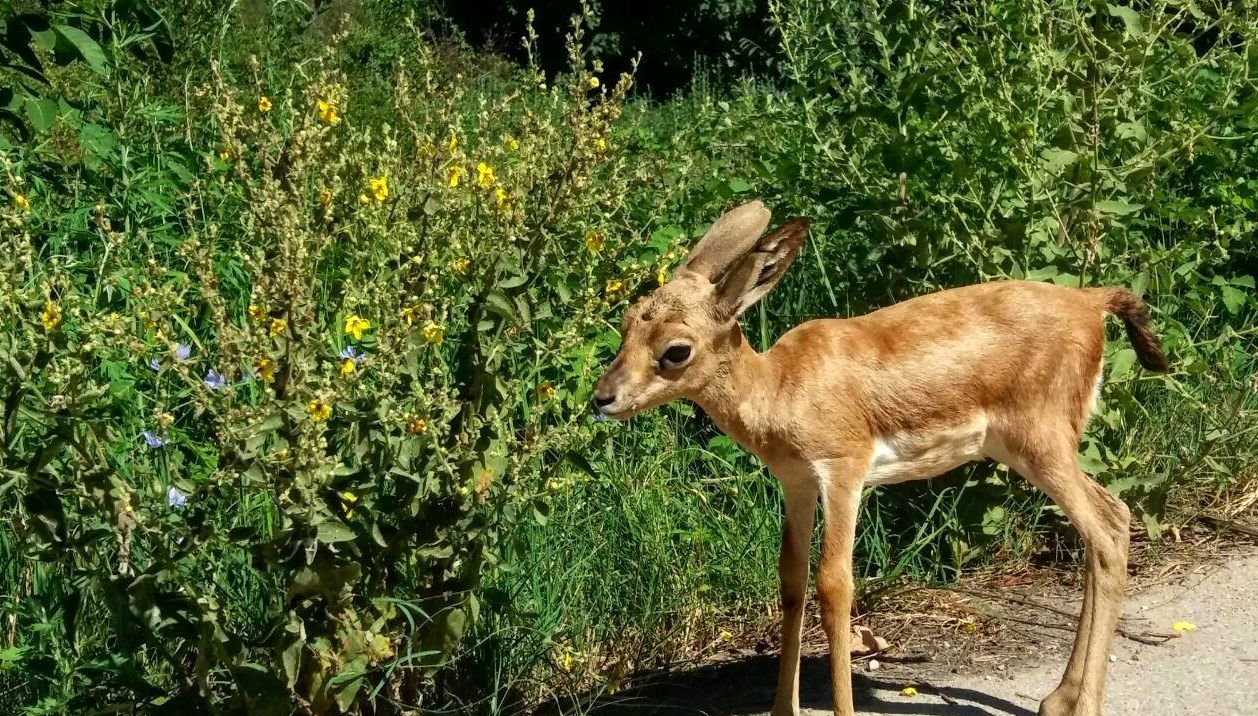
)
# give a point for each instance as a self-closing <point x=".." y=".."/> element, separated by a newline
<point x="1050" y="462"/>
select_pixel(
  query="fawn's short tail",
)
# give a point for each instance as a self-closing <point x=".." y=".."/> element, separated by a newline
<point x="1128" y="306"/>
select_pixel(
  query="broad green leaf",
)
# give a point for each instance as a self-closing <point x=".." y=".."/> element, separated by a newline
<point x="1121" y="364"/>
<point x="1114" y="206"/>
<point x="1132" y="22"/>
<point x="1233" y="298"/>
<point x="334" y="531"/>
<point x="41" y="113"/>
<point x="87" y="48"/>
<point x="1056" y="159"/>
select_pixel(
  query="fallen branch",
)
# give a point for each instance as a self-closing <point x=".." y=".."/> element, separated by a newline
<point x="1150" y="638"/>
<point x="1226" y="524"/>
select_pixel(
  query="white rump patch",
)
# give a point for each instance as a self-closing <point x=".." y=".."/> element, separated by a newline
<point x="920" y="454"/>
<point x="1096" y="392"/>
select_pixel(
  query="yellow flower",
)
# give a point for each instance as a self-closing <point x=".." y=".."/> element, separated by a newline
<point x="356" y="325"/>
<point x="348" y="499"/>
<point x="1183" y="626"/>
<point x="453" y="143"/>
<point x="381" y="648"/>
<point x="417" y="426"/>
<point x="661" y="276"/>
<point x="594" y="241"/>
<point x="410" y="314"/>
<point x="277" y="326"/>
<point x="592" y="83"/>
<point x="554" y="485"/>
<point x="725" y="635"/>
<point x="256" y="312"/>
<point x="568" y="661"/>
<point x="329" y="114"/>
<point x="614" y="286"/>
<point x="908" y="691"/>
<point x="502" y="200"/>
<point x="433" y="333"/>
<point x="453" y="175"/>
<point x="461" y="266"/>
<point x="325" y="198"/>
<point x="379" y="188"/>
<point x="364" y="199"/>
<point x="319" y="410"/>
<point x="51" y="317"/>
<point x="511" y="143"/>
<point x="22" y="203"/>
<point x="484" y="175"/>
<point x="264" y="104"/>
<point x="600" y="144"/>
<point x="165" y="420"/>
<point x="266" y="369"/>
<point x="347" y="367"/>
<point x="545" y="390"/>
<point x="225" y="154"/>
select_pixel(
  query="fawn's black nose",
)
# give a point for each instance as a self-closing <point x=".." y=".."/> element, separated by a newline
<point x="603" y="401"/>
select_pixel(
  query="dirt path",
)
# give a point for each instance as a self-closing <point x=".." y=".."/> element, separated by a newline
<point x="1210" y="670"/>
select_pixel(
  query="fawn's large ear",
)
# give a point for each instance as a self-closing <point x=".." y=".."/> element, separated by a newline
<point x="731" y="236"/>
<point x="760" y="270"/>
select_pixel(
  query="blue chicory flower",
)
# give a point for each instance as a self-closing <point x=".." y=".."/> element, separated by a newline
<point x="155" y="364"/>
<point x="352" y="353"/>
<point x="214" y="380"/>
<point x="175" y="498"/>
<point x="153" y="439"/>
<point x="183" y="351"/>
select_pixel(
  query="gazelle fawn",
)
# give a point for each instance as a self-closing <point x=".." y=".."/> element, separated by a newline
<point x="1006" y="370"/>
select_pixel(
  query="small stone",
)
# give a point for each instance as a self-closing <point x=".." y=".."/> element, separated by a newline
<point x="1112" y="658"/>
<point x="873" y="665"/>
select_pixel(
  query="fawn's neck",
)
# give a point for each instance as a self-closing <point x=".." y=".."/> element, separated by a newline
<point x="740" y="398"/>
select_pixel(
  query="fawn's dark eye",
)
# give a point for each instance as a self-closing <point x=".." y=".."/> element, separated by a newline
<point x="675" y="357"/>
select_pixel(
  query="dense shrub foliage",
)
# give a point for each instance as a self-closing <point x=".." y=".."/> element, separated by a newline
<point x="299" y="316"/>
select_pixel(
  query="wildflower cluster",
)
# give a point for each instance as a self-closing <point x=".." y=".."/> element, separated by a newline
<point x="387" y="379"/>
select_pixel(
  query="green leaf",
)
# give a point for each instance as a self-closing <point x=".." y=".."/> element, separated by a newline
<point x="87" y="48"/>
<point x="1121" y="208"/>
<point x="1056" y="159"/>
<point x="498" y="303"/>
<point x="1121" y="364"/>
<point x="1132" y="22"/>
<point x="1090" y="460"/>
<point x="334" y="531"/>
<point x="1233" y="298"/>
<point x="41" y="112"/>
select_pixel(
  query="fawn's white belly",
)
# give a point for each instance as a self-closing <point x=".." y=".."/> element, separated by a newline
<point x="917" y="455"/>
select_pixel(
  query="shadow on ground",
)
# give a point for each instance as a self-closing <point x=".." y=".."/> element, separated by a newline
<point x="746" y="687"/>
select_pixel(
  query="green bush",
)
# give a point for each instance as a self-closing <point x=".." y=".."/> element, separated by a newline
<point x="283" y="442"/>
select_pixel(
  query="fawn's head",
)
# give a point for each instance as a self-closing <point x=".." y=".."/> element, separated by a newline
<point x="679" y="337"/>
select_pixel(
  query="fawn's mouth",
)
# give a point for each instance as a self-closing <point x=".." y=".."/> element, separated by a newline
<point x="619" y="410"/>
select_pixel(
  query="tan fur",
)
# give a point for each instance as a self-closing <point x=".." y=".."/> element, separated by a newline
<point x="1005" y="370"/>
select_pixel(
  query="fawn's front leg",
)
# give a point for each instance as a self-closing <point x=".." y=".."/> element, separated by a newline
<point x="799" y="509"/>
<point x="841" y="482"/>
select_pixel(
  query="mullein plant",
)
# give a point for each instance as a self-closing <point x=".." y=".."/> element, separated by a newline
<point x="364" y="365"/>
